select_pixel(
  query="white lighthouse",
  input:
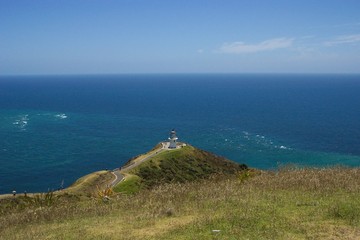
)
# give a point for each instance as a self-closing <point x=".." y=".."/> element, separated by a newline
<point x="172" y="139"/>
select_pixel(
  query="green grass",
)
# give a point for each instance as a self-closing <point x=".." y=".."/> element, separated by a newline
<point x="288" y="204"/>
<point x="166" y="156"/>
<point x="131" y="185"/>
<point x="181" y="165"/>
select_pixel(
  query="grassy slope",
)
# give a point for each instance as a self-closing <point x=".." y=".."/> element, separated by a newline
<point x="87" y="185"/>
<point x="290" y="204"/>
<point x="131" y="185"/>
<point x="181" y="165"/>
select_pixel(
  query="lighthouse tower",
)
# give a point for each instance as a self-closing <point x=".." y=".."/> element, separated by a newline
<point x="173" y="139"/>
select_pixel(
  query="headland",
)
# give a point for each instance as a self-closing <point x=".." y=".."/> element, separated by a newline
<point x="188" y="193"/>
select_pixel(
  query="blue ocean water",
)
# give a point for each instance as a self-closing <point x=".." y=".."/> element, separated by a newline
<point x="55" y="129"/>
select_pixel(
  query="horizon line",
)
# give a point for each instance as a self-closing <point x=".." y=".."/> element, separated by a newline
<point x="180" y="73"/>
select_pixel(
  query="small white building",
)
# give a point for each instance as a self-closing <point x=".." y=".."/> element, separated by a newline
<point x="172" y="139"/>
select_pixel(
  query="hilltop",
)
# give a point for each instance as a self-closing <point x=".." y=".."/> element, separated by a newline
<point x="163" y="165"/>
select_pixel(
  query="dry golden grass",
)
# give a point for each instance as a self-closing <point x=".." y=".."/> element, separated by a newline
<point x="287" y="204"/>
<point x="85" y="185"/>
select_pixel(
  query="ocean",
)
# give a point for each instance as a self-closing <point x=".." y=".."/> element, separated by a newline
<point x="55" y="129"/>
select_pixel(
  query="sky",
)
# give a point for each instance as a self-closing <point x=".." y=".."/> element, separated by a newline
<point x="173" y="36"/>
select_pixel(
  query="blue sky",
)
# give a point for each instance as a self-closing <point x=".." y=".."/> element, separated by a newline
<point x="170" y="36"/>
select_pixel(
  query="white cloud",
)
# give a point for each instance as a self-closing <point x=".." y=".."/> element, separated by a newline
<point x="344" y="40"/>
<point x="268" y="45"/>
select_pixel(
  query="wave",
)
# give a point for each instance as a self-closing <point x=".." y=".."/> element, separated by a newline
<point x="61" y="116"/>
<point x="247" y="141"/>
<point x="22" y="121"/>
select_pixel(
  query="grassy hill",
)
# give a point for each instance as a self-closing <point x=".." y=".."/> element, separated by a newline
<point x="286" y="204"/>
<point x="189" y="193"/>
<point x="179" y="165"/>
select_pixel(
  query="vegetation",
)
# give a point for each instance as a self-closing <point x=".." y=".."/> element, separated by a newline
<point x="88" y="185"/>
<point x="287" y="204"/>
<point x="131" y="185"/>
<point x="181" y="165"/>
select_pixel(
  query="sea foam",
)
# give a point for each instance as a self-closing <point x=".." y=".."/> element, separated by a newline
<point x="22" y="121"/>
<point x="61" y="116"/>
